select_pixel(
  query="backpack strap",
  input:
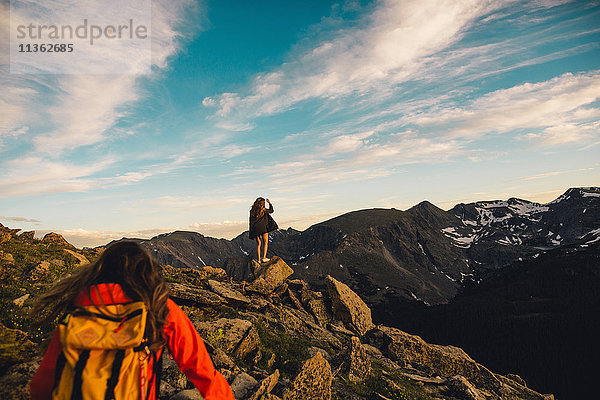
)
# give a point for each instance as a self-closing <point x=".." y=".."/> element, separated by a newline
<point x="77" y="380"/>
<point x="114" y="375"/>
<point x="60" y="365"/>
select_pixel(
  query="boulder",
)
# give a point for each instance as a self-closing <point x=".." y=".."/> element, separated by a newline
<point x="236" y="337"/>
<point x="295" y="300"/>
<point x="242" y="385"/>
<point x="313" y="382"/>
<point x="40" y="271"/>
<point x="273" y="272"/>
<point x="172" y="375"/>
<point x="56" y="239"/>
<point x="81" y="259"/>
<point x="15" y="347"/>
<point x="189" y="394"/>
<point x="446" y="361"/>
<point x="348" y="307"/>
<point x="460" y="388"/>
<point x="195" y="294"/>
<point x="266" y="386"/>
<point x="21" y="300"/>
<point x="231" y="295"/>
<point x="517" y="379"/>
<point x="209" y="272"/>
<point x="166" y="390"/>
<point x="260" y="286"/>
<point x="221" y="359"/>
<point x="360" y="364"/>
<point x="6" y="257"/>
<point x="318" y="309"/>
<point x="27" y="236"/>
<point x="14" y="384"/>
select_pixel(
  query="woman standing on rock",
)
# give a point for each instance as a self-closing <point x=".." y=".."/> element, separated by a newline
<point x="261" y="223"/>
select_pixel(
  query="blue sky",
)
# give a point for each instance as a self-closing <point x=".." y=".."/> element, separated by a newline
<point x="323" y="107"/>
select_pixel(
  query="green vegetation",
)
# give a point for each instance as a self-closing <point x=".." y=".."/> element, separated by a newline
<point x="290" y="351"/>
<point x="28" y="266"/>
<point x="389" y="383"/>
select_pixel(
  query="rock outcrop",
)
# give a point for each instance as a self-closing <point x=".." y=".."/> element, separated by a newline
<point x="269" y="275"/>
<point x="15" y="347"/>
<point x="313" y="382"/>
<point x="236" y="337"/>
<point x="359" y="362"/>
<point x="56" y="239"/>
<point x="348" y="307"/>
<point x="436" y="360"/>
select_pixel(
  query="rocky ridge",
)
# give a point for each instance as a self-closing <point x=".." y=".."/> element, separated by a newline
<point x="280" y="340"/>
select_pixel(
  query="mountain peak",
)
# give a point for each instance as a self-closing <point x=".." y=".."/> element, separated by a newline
<point x="577" y="193"/>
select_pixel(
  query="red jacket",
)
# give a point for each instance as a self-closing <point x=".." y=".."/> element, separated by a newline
<point x="184" y="343"/>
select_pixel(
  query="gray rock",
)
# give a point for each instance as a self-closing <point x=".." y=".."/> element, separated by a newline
<point x="242" y="385"/>
<point x="14" y="383"/>
<point x="236" y="337"/>
<point x="166" y="390"/>
<point x="195" y="294"/>
<point x="231" y="295"/>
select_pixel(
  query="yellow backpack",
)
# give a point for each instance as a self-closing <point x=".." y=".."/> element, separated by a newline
<point x="105" y="356"/>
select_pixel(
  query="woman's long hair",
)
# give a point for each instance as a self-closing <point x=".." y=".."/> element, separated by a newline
<point x="125" y="263"/>
<point x="258" y="208"/>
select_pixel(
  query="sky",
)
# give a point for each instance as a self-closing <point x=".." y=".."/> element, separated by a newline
<point x="322" y="107"/>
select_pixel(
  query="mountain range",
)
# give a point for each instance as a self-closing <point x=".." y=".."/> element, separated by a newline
<point x="423" y="254"/>
<point x="513" y="282"/>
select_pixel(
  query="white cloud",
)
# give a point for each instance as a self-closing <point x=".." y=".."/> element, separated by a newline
<point x="18" y="219"/>
<point x="35" y="175"/>
<point x="83" y="107"/>
<point x="561" y="107"/>
<point x="393" y="43"/>
<point x="346" y="143"/>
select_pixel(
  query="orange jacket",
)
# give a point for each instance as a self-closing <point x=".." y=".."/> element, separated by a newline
<point x="184" y="343"/>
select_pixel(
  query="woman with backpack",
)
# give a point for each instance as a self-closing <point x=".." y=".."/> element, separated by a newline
<point x="261" y="223"/>
<point x="119" y="319"/>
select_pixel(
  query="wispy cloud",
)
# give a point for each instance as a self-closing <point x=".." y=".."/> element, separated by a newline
<point x="562" y="106"/>
<point x="18" y="219"/>
<point x="393" y="42"/>
<point x="549" y="174"/>
<point x="79" y="109"/>
<point x="398" y="42"/>
<point x="35" y="175"/>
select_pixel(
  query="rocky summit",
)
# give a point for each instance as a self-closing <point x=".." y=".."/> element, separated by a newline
<point x="290" y="341"/>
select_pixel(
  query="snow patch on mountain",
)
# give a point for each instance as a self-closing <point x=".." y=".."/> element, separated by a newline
<point x="460" y="240"/>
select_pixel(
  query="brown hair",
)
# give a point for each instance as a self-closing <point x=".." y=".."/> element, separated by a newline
<point x="258" y="208"/>
<point x="125" y="263"/>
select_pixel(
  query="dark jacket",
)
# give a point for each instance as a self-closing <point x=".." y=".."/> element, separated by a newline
<point x="264" y="224"/>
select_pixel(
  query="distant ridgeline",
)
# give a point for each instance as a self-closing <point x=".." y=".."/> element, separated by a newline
<point x="514" y="283"/>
